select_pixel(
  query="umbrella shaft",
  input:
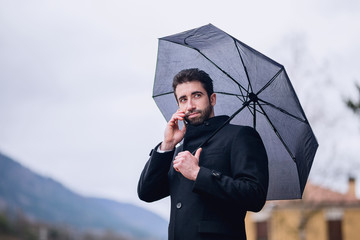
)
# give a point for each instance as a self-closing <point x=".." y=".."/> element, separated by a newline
<point x="245" y="104"/>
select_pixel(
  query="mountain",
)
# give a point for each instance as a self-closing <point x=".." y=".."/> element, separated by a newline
<point x="44" y="199"/>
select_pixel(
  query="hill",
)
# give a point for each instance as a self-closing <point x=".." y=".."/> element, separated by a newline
<point x="43" y="199"/>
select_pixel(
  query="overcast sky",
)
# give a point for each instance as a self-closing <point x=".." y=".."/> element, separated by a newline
<point x="76" y="80"/>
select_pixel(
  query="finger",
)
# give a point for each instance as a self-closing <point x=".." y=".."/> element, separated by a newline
<point x="178" y="118"/>
<point x="177" y="115"/>
<point x="183" y="153"/>
<point x="174" y="120"/>
<point x="178" y="159"/>
<point x="183" y="130"/>
<point x="197" y="153"/>
<point x="180" y="114"/>
<point x="180" y="111"/>
<point x="175" y="166"/>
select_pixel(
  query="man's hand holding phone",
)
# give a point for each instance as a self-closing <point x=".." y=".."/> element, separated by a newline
<point x="173" y="134"/>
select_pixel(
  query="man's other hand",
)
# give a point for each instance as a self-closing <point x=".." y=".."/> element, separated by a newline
<point x="188" y="164"/>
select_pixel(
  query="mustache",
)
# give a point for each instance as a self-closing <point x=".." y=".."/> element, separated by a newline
<point x="187" y="114"/>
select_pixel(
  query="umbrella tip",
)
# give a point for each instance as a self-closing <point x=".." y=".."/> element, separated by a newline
<point x="252" y="98"/>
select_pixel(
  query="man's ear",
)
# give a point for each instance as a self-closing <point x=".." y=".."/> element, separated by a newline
<point x="213" y="99"/>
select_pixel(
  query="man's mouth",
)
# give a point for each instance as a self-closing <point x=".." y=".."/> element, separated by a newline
<point x="192" y="114"/>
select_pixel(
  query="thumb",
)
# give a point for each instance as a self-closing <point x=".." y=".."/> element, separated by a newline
<point x="197" y="153"/>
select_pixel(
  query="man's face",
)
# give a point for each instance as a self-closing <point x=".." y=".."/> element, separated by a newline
<point x="192" y="98"/>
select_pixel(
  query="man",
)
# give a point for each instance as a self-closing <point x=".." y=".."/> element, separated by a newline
<point x="212" y="189"/>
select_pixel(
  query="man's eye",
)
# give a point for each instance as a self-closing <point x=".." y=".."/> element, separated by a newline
<point x="197" y="95"/>
<point x="182" y="100"/>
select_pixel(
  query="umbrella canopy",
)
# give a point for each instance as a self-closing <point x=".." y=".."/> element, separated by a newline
<point x="251" y="88"/>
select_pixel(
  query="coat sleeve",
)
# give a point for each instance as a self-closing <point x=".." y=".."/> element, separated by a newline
<point x="154" y="183"/>
<point x="247" y="187"/>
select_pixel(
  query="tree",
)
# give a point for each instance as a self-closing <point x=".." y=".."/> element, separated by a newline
<point x="355" y="106"/>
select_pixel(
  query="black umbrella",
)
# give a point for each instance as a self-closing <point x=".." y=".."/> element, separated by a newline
<point x="251" y="88"/>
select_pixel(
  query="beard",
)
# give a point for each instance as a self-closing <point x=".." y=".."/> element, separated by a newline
<point x="204" y="115"/>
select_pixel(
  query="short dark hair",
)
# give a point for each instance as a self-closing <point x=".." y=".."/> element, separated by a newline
<point x="194" y="74"/>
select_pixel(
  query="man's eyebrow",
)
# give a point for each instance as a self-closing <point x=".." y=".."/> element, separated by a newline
<point x="183" y="96"/>
<point x="197" y="92"/>
<point x="193" y="93"/>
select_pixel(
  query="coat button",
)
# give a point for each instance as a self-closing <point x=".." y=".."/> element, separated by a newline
<point x="178" y="205"/>
<point x="216" y="174"/>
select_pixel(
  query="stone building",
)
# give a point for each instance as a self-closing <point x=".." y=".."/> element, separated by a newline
<point x="322" y="214"/>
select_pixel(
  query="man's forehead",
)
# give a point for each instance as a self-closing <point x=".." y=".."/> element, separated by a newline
<point x="187" y="88"/>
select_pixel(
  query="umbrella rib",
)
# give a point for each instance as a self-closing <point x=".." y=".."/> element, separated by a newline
<point x="283" y="111"/>
<point x="162" y="94"/>
<point x="241" y="87"/>
<point x="230" y="94"/>
<point x="244" y="105"/>
<point x="278" y="134"/>
<point x="242" y="61"/>
<point x="186" y="44"/>
<point x="252" y="110"/>
<point x="254" y="114"/>
<point x="270" y="81"/>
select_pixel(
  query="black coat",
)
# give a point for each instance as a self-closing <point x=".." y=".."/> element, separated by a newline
<point x="233" y="179"/>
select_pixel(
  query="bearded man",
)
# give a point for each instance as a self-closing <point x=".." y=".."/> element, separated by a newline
<point x="212" y="190"/>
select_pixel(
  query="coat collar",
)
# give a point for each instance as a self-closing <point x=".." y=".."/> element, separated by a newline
<point x="210" y="123"/>
<point x="195" y="134"/>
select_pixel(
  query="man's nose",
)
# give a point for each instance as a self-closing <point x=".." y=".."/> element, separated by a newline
<point x="190" y="105"/>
